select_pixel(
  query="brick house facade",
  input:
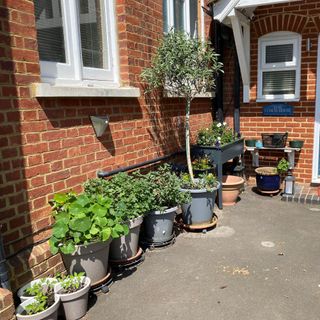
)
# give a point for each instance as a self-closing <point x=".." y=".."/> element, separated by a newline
<point x="48" y="144"/>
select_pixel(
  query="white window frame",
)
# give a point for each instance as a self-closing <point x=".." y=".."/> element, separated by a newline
<point x="186" y="12"/>
<point x="73" y="72"/>
<point x="277" y="38"/>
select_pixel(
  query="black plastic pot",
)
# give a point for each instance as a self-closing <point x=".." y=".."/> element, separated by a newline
<point x="296" y="144"/>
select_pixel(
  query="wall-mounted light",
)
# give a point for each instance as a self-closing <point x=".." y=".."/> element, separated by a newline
<point x="100" y="124"/>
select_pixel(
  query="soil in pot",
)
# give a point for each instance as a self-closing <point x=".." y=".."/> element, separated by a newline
<point x="91" y="259"/>
<point x="200" y="209"/>
<point x="158" y="225"/>
<point x="74" y="304"/>
<point x="231" y="188"/>
<point x="126" y="247"/>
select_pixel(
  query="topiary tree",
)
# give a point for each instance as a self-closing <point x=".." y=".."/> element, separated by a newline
<point x="184" y="67"/>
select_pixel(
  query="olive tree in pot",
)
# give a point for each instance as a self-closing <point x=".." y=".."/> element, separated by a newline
<point x="83" y="230"/>
<point x="131" y="200"/>
<point x="43" y="305"/>
<point x="184" y="67"/>
<point x="166" y="196"/>
<point x="73" y="291"/>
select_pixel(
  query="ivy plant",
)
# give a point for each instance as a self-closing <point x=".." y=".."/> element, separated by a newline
<point x="184" y="67"/>
<point x="283" y="166"/>
<point x="83" y="219"/>
<point x="131" y="194"/>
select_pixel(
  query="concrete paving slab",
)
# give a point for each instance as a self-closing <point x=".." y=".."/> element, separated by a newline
<point x="262" y="263"/>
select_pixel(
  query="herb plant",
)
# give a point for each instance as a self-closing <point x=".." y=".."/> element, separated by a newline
<point x="83" y="219"/>
<point x="202" y="163"/>
<point x="166" y="188"/>
<point x="72" y="283"/>
<point x="131" y="194"/>
<point x="183" y="66"/>
<point x="43" y="285"/>
<point x="283" y="166"/>
<point x="215" y="136"/>
<point x="205" y="181"/>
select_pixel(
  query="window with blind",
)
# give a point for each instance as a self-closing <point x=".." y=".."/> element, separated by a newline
<point x="76" y="40"/>
<point x="181" y="15"/>
<point x="279" y="66"/>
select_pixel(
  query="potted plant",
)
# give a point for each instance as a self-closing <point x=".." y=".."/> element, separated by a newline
<point x="268" y="179"/>
<point x="203" y="191"/>
<point x="184" y="67"/>
<point x="202" y="165"/>
<point x="32" y="288"/>
<point x="131" y="200"/>
<point x="231" y="188"/>
<point x="42" y="306"/>
<point x="83" y="230"/>
<point x="73" y="291"/>
<point x="166" y="196"/>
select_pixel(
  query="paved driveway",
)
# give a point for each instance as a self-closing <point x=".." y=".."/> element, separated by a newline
<point x="261" y="262"/>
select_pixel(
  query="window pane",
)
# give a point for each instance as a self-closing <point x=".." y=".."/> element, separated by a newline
<point x="165" y="15"/>
<point x="194" y="18"/>
<point x="279" y="53"/>
<point x="94" y="52"/>
<point x="178" y="14"/>
<point x="50" y="30"/>
<point x="279" y="82"/>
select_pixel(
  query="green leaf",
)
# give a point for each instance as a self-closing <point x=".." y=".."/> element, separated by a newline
<point x="99" y="210"/>
<point x="75" y="208"/>
<point x="54" y="242"/>
<point x="68" y="247"/>
<point x="94" y="230"/>
<point x="62" y="216"/>
<point x="60" y="229"/>
<point x="60" y="197"/>
<point x="83" y="200"/>
<point x="80" y="224"/>
<point x="105" y="234"/>
<point x="101" y="222"/>
<point x="125" y="229"/>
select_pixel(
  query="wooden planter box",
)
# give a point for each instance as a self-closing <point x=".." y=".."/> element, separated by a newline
<point x="219" y="156"/>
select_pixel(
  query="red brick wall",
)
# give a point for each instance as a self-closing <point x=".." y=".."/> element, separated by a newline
<point x="6" y="305"/>
<point x="49" y="146"/>
<point x="300" y="17"/>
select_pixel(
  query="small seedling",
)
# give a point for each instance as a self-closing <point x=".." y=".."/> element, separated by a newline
<point x="72" y="283"/>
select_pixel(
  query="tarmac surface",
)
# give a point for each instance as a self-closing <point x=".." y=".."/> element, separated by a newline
<point x="262" y="262"/>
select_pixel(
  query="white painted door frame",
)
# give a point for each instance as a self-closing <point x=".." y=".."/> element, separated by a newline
<point x="316" y="146"/>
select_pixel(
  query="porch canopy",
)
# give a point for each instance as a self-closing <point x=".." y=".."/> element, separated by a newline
<point x="237" y="14"/>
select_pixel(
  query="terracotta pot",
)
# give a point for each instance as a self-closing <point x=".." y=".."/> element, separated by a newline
<point x="231" y="187"/>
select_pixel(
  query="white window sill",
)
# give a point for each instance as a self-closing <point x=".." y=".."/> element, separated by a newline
<point x="278" y="100"/>
<point x="42" y="90"/>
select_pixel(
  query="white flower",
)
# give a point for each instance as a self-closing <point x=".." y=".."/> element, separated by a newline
<point x="207" y="129"/>
<point x="219" y="125"/>
<point x="224" y="123"/>
<point x="219" y="138"/>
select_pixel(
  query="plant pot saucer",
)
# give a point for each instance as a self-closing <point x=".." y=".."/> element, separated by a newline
<point x="102" y="283"/>
<point x="130" y="260"/>
<point x="151" y="245"/>
<point x="200" y="227"/>
<point x="269" y="193"/>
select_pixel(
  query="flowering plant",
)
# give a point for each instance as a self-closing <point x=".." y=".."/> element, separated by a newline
<point x="216" y="135"/>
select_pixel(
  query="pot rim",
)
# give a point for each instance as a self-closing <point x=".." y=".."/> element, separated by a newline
<point x="266" y="174"/>
<point x="202" y="190"/>
<point x="158" y="212"/>
<point x="20" y="292"/>
<point x="240" y="182"/>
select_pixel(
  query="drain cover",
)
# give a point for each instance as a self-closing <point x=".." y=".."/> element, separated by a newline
<point x="314" y="209"/>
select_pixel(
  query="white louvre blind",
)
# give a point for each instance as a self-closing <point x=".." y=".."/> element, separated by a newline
<point x="279" y="82"/>
<point x="50" y="33"/>
<point x="279" y="53"/>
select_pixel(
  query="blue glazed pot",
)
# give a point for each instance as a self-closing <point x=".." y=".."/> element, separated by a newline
<point x="269" y="181"/>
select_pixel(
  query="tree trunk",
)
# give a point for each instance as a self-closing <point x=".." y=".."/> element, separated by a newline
<point x="188" y="153"/>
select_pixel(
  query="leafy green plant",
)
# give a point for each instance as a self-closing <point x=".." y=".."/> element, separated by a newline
<point x="36" y="287"/>
<point x="83" y="219"/>
<point x="217" y="135"/>
<point x="72" y="283"/>
<point x="283" y="166"/>
<point x="44" y="298"/>
<point x="131" y="194"/>
<point x="202" y="163"/>
<point x="205" y="181"/>
<point x="185" y="67"/>
<point x="166" y="188"/>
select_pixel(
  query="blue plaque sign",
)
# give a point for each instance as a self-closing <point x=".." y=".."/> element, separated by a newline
<point x="278" y="109"/>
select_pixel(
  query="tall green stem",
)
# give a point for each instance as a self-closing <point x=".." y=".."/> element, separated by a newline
<point x="188" y="153"/>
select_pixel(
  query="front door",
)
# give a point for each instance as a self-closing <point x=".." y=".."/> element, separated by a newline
<point x="316" y="150"/>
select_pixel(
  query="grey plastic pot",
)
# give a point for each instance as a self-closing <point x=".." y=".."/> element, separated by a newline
<point x="49" y="314"/>
<point x="158" y="225"/>
<point x="74" y="304"/>
<point x="200" y="209"/>
<point x="21" y="292"/>
<point x="92" y="259"/>
<point x="126" y="247"/>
